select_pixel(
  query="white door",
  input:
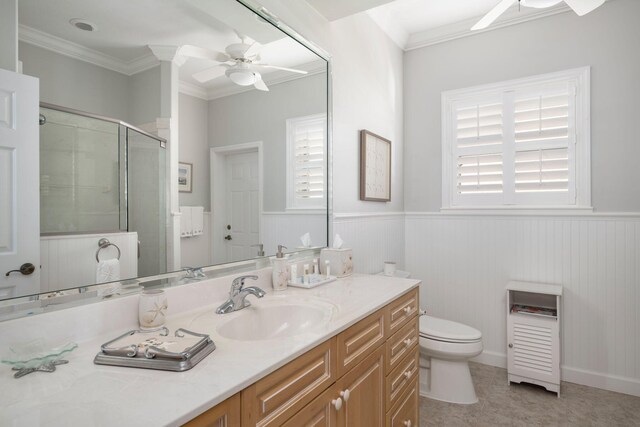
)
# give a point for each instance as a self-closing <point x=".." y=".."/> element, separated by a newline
<point x="19" y="185"/>
<point x="242" y="210"/>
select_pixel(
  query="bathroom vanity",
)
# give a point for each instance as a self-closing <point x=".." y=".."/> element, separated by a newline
<point x="366" y="375"/>
<point x="354" y="363"/>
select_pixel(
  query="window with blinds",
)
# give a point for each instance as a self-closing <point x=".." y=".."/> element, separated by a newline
<point x="306" y="162"/>
<point x="517" y="143"/>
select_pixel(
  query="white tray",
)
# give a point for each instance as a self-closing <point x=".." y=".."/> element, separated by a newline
<point x="315" y="281"/>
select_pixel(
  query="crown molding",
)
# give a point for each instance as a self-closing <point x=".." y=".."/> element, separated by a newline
<point x="193" y="90"/>
<point x="462" y="29"/>
<point x="82" y="53"/>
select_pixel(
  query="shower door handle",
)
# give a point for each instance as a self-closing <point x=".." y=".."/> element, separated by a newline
<point x="138" y="249"/>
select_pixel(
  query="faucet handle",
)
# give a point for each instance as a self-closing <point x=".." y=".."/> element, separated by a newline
<point x="238" y="282"/>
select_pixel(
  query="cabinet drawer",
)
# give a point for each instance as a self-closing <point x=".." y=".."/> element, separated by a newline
<point x="357" y="342"/>
<point x="402" y="343"/>
<point x="405" y="413"/>
<point x="278" y="396"/>
<point x="407" y="370"/>
<point x="401" y="310"/>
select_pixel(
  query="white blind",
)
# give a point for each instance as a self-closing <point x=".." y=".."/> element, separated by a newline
<point x="307" y="161"/>
<point x="478" y="147"/>
<point x="514" y="146"/>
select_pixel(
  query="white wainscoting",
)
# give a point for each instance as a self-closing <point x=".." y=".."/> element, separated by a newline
<point x="197" y="251"/>
<point x="70" y="261"/>
<point x="286" y="228"/>
<point x="374" y="238"/>
<point x="465" y="261"/>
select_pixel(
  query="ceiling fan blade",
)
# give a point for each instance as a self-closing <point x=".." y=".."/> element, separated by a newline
<point x="210" y="73"/>
<point x="260" y="84"/>
<point x="275" y="67"/>
<point x="493" y="14"/>
<point x="202" y="53"/>
<point x="582" y="7"/>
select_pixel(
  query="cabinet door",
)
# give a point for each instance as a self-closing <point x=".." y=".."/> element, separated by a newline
<point x="534" y="348"/>
<point x="362" y="390"/>
<point x="322" y="412"/>
<point x="225" y="414"/>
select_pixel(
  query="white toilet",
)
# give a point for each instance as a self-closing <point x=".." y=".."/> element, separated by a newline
<point x="445" y="350"/>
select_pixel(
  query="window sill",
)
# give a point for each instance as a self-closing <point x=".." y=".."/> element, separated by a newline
<point x="519" y="210"/>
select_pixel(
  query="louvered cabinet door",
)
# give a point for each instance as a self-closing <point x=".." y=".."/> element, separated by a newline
<point x="533" y="351"/>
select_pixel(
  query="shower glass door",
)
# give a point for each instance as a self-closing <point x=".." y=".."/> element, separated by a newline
<point x="146" y="195"/>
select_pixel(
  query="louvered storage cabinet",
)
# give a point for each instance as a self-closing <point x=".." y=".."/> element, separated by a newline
<point x="533" y="334"/>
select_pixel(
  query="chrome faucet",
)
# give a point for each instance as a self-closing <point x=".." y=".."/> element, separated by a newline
<point x="238" y="294"/>
<point x="194" y="273"/>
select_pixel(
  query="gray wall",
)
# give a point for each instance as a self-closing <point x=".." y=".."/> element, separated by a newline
<point x="77" y="84"/>
<point x="606" y="39"/>
<point x="261" y="116"/>
<point x="144" y="97"/>
<point x="194" y="148"/>
<point x="9" y="35"/>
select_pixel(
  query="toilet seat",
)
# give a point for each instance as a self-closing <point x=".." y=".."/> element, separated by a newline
<point x="444" y="330"/>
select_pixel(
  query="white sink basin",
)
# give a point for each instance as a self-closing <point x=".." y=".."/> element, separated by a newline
<point x="274" y="317"/>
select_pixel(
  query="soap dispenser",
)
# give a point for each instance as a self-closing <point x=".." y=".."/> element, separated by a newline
<point x="280" y="275"/>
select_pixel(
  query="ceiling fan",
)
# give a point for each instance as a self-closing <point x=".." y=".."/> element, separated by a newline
<point x="240" y="62"/>
<point x="581" y="7"/>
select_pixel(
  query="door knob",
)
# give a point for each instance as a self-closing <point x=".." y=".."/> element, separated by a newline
<point x="26" y="269"/>
<point x="227" y="237"/>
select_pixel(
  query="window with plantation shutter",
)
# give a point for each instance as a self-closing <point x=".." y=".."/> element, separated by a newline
<point x="306" y="162"/>
<point x="518" y="143"/>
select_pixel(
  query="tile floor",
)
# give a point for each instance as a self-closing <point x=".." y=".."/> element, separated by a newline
<point x="528" y="405"/>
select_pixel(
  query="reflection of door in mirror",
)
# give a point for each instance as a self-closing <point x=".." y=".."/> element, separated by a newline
<point x="242" y="198"/>
<point x="19" y="216"/>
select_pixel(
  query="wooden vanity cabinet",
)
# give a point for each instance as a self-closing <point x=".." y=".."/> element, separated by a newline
<point x="225" y="414"/>
<point x="366" y="376"/>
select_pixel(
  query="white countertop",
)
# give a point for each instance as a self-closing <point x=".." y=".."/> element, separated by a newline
<point x="82" y="393"/>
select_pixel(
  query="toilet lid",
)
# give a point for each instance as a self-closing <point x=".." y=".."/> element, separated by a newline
<point x="447" y="330"/>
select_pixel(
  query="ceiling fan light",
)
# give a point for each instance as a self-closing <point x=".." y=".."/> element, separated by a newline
<point x="242" y="77"/>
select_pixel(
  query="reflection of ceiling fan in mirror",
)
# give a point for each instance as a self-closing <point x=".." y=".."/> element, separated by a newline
<point x="240" y="63"/>
<point x="581" y="7"/>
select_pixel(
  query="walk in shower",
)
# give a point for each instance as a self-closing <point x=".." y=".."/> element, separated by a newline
<point x="100" y="175"/>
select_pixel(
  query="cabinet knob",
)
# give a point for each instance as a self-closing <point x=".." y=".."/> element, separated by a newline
<point x="407" y="374"/>
<point x="407" y="342"/>
<point x="345" y="395"/>
<point x="510" y="345"/>
<point x="337" y="403"/>
<point x="407" y="423"/>
<point x="407" y="309"/>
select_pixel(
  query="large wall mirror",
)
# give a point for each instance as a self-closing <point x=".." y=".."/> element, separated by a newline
<point x="173" y="134"/>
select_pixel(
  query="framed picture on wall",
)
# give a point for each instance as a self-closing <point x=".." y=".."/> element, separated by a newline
<point x="185" y="173"/>
<point x="375" y="167"/>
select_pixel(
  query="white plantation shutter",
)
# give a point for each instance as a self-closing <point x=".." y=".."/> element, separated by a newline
<point x="478" y="150"/>
<point x="306" y="162"/>
<point x="516" y="144"/>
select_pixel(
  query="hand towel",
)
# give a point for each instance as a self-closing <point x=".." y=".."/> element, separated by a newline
<point x="108" y="271"/>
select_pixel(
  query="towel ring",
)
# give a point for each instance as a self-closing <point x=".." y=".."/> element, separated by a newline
<point x="105" y="243"/>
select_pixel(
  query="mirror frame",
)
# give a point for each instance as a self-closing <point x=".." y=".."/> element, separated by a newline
<point x="34" y="304"/>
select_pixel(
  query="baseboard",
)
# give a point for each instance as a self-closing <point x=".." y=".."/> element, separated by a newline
<point x="596" y="379"/>
<point x="491" y="358"/>
<point x="573" y="375"/>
